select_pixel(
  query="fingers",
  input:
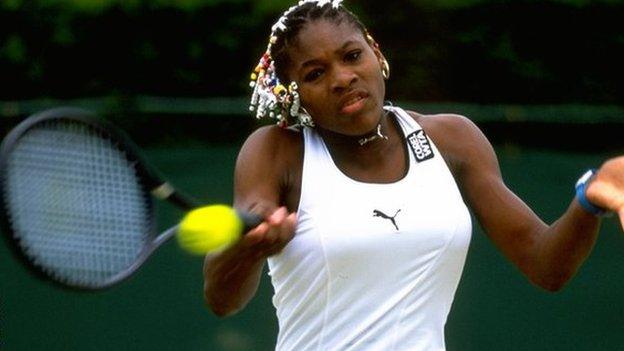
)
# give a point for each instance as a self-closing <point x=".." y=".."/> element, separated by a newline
<point x="256" y="234"/>
<point x="606" y="193"/>
<point x="606" y="190"/>
<point x="270" y="236"/>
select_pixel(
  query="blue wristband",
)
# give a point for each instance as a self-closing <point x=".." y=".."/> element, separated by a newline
<point x="581" y="186"/>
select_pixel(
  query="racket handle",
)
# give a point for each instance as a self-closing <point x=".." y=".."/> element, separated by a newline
<point x="250" y="220"/>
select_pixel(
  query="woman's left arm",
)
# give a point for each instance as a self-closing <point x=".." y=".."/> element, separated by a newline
<point x="549" y="255"/>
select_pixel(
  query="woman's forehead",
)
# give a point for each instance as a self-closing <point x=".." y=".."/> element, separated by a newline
<point x="319" y="36"/>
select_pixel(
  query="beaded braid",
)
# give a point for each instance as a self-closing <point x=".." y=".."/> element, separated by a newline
<point x="271" y="97"/>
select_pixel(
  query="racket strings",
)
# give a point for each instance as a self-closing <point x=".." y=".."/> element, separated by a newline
<point x="76" y="203"/>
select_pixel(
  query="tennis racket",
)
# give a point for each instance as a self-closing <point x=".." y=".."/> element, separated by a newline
<point x="78" y="199"/>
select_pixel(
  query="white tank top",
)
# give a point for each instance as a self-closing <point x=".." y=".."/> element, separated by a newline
<point x="371" y="266"/>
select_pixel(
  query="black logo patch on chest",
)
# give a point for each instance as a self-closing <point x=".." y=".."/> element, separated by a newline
<point x="420" y="145"/>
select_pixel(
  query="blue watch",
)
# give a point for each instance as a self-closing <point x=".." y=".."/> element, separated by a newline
<point x="581" y="186"/>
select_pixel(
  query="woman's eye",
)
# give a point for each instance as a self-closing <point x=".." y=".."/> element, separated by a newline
<point x="313" y="75"/>
<point x="353" y="55"/>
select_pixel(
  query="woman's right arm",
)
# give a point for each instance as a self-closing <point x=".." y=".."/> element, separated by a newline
<point x="231" y="277"/>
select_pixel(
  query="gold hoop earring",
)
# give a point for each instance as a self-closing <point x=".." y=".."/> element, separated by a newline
<point x="385" y="68"/>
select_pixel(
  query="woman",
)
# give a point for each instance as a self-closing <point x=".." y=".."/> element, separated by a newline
<point x="366" y="229"/>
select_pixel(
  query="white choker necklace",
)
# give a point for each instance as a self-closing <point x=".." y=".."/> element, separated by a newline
<point x="378" y="135"/>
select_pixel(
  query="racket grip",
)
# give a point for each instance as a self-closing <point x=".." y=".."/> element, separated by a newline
<point x="250" y="220"/>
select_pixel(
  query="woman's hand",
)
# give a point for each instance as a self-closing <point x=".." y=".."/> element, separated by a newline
<point x="606" y="190"/>
<point x="272" y="235"/>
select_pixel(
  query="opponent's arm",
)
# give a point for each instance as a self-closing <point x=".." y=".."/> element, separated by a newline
<point x="231" y="278"/>
<point x="549" y="255"/>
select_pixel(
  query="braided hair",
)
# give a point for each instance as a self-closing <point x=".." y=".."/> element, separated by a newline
<point x="271" y="97"/>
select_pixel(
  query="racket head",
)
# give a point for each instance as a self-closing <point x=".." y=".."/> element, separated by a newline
<point x="76" y="205"/>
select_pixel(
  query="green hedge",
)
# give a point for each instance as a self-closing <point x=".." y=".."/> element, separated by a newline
<point x="472" y="51"/>
<point x="237" y="107"/>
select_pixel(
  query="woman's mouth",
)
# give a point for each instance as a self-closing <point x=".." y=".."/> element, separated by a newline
<point x="353" y="104"/>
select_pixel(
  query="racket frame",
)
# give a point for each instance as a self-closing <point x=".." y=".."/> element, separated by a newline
<point x="151" y="185"/>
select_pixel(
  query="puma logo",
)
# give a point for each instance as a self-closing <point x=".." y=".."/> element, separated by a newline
<point x="377" y="213"/>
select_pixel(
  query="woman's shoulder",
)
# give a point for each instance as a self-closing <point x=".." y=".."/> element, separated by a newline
<point x="453" y="135"/>
<point x="442" y="122"/>
<point x="274" y="147"/>
<point x="274" y="133"/>
<point x="276" y="139"/>
<point x="270" y="162"/>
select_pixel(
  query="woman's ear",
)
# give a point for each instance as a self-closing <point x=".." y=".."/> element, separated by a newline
<point x="385" y="66"/>
<point x="383" y="62"/>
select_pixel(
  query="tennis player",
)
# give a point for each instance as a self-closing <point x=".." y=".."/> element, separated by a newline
<point x="367" y="205"/>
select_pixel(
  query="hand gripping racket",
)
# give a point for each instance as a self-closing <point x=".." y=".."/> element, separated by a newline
<point x="78" y="199"/>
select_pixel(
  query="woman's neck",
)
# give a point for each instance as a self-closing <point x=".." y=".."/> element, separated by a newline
<point x="381" y="160"/>
<point x="371" y="144"/>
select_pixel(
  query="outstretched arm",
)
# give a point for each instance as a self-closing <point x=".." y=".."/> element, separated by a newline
<point x="549" y="255"/>
<point x="231" y="278"/>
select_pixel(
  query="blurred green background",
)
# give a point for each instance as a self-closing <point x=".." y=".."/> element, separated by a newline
<point x="541" y="78"/>
<point x="478" y="51"/>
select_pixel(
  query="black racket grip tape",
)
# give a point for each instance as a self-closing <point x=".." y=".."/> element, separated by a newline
<point x="250" y="220"/>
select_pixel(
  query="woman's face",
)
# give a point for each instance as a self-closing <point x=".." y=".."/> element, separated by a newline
<point x="339" y="77"/>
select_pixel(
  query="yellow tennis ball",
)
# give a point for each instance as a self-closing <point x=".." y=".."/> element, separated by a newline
<point x="210" y="228"/>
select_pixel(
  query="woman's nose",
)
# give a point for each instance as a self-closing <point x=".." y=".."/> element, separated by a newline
<point x="343" y="78"/>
